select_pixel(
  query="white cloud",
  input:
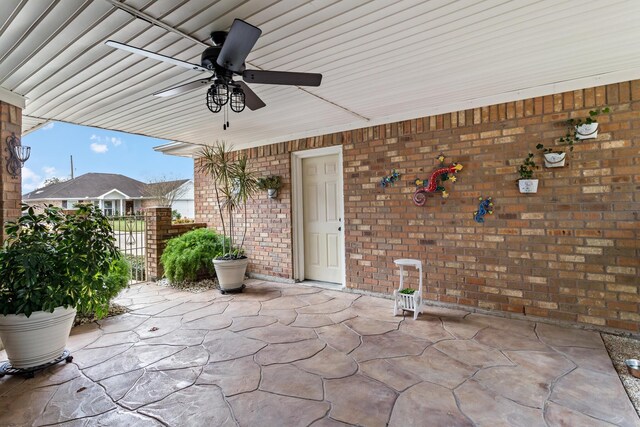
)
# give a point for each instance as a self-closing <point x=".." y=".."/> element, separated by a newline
<point x="105" y="140"/>
<point x="99" y="148"/>
<point x="30" y="180"/>
<point x="49" y="171"/>
<point x="48" y="126"/>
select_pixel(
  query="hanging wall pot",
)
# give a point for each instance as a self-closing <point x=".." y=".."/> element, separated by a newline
<point x="587" y="131"/>
<point x="554" y="159"/>
<point x="528" y="185"/>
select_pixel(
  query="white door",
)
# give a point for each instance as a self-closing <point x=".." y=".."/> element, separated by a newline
<point x="322" y="204"/>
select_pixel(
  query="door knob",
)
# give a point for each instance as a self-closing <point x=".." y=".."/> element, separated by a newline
<point x="339" y="228"/>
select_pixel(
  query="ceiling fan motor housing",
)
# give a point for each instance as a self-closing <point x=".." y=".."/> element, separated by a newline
<point x="209" y="56"/>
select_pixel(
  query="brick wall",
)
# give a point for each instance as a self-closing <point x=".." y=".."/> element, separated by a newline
<point x="570" y="252"/>
<point x="10" y="187"/>
<point x="158" y="231"/>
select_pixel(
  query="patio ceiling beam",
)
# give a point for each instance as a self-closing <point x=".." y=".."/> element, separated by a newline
<point x="145" y="17"/>
<point x="12" y="98"/>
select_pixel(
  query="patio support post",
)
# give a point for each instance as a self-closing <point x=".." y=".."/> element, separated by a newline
<point x="159" y="229"/>
<point x="158" y="221"/>
<point x="10" y="187"/>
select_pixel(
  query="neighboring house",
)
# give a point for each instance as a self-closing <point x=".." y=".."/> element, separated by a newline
<point x="115" y="194"/>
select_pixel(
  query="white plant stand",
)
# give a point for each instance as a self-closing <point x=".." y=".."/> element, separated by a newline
<point x="408" y="302"/>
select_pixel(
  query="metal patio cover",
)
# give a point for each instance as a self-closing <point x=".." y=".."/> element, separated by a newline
<point x="382" y="61"/>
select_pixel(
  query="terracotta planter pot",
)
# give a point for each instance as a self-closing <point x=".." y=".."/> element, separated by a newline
<point x="554" y="160"/>
<point x="230" y="273"/>
<point x="528" y="185"/>
<point x="37" y="339"/>
<point x="587" y="131"/>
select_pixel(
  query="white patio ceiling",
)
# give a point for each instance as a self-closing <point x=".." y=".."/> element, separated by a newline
<point x="382" y="60"/>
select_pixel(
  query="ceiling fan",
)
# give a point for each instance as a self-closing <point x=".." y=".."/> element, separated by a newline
<point x="222" y="62"/>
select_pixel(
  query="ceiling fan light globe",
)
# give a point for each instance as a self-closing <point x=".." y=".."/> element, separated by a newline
<point x="212" y="106"/>
<point x="220" y="93"/>
<point x="237" y="100"/>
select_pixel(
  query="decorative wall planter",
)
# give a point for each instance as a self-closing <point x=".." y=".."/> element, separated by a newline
<point x="528" y="185"/>
<point x="587" y="131"/>
<point x="37" y="339"/>
<point x="272" y="193"/>
<point x="554" y="160"/>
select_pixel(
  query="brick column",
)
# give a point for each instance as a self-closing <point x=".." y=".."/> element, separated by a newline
<point x="158" y="229"/>
<point x="10" y="187"/>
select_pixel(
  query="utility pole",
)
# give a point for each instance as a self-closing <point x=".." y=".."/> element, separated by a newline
<point x="71" y="166"/>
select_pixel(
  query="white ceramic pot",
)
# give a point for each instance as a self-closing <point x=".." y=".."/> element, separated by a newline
<point x="554" y="160"/>
<point x="528" y="185"/>
<point x="37" y="339"/>
<point x="272" y="193"/>
<point x="587" y="131"/>
<point x="230" y="273"/>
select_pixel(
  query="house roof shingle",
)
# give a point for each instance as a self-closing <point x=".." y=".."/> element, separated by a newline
<point x="89" y="185"/>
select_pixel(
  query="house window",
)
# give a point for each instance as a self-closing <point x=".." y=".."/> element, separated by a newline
<point x="64" y="204"/>
<point x="108" y="207"/>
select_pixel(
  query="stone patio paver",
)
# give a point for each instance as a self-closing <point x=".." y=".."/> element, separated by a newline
<point x="288" y="355"/>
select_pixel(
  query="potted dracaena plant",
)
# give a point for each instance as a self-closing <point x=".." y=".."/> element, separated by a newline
<point x="272" y="184"/>
<point x="526" y="182"/>
<point x="52" y="264"/>
<point x="234" y="184"/>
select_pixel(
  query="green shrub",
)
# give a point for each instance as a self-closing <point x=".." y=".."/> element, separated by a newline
<point x="190" y="255"/>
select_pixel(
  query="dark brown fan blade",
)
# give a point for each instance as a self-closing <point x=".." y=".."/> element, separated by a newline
<point x="251" y="100"/>
<point x="239" y="42"/>
<point x="177" y="90"/>
<point x="155" y="56"/>
<point x="282" y="78"/>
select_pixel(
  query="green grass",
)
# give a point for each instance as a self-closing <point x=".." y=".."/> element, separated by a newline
<point x="127" y="225"/>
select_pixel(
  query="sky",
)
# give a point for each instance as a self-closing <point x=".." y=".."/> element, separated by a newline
<point x="96" y="150"/>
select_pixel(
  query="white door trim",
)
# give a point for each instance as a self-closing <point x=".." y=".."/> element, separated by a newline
<point x="297" y="207"/>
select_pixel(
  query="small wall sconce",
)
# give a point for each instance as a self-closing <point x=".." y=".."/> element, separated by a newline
<point x="18" y="154"/>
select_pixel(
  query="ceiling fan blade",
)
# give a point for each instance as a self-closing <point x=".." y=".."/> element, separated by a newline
<point x="239" y="42"/>
<point x="156" y="56"/>
<point x="282" y="78"/>
<point x="177" y="90"/>
<point x="251" y="100"/>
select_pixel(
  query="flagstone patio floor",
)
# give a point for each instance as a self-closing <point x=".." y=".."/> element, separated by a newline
<point x="291" y="355"/>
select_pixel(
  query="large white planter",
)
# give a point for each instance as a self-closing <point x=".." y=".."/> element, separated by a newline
<point x="587" y="131"/>
<point x="528" y="185"/>
<point x="37" y="339"/>
<point x="230" y="273"/>
<point x="554" y="160"/>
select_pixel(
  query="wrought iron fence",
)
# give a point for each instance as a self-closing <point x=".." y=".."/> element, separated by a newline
<point x="130" y="234"/>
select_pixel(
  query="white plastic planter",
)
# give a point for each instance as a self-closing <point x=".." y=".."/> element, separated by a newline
<point x="37" y="339"/>
<point x="554" y="160"/>
<point x="230" y="273"/>
<point x="587" y="131"/>
<point x="528" y="185"/>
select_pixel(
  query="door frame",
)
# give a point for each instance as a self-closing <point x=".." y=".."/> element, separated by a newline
<point x="298" y="207"/>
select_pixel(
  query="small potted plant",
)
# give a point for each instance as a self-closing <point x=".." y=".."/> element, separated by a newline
<point x="272" y="184"/>
<point x="583" y="128"/>
<point x="233" y="184"/>
<point x="526" y="183"/>
<point x="553" y="158"/>
<point x="52" y="264"/>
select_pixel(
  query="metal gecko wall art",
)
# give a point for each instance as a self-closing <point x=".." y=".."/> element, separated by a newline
<point x="435" y="182"/>
<point x="485" y="207"/>
<point x="390" y="179"/>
